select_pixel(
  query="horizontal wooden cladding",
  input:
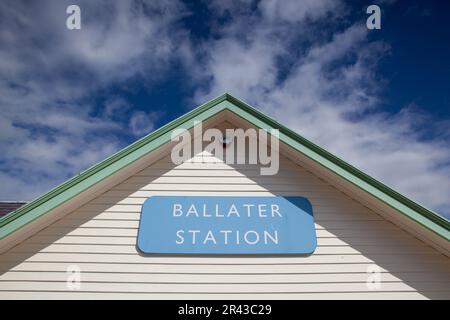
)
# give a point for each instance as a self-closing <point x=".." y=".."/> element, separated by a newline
<point x="313" y="259"/>
<point x="132" y="232"/>
<point x="264" y="180"/>
<point x="205" y="158"/>
<point x="313" y="198"/>
<point x="318" y="216"/>
<point x="325" y="206"/>
<point x="213" y="166"/>
<point x="267" y="269"/>
<point x="100" y="239"/>
<point x="328" y="225"/>
<point x="361" y="277"/>
<point x="131" y="249"/>
<point x="373" y="295"/>
<point x="217" y="287"/>
<point x="317" y="210"/>
<point x="129" y="195"/>
<point x="317" y="202"/>
<point x="93" y="240"/>
<point x="123" y="197"/>
<point x="130" y="227"/>
<point x="46" y="239"/>
<point x="151" y="172"/>
<point x="223" y="187"/>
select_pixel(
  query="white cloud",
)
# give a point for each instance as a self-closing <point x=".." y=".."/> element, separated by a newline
<point x="50" y="127"/>
<point x="328" y="101"/>
<point x="142" y="123"/>
<point x="284" y="58"/>
<point x="297" y="11"/>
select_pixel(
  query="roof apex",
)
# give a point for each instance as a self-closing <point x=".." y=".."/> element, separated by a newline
<point x="87" y="178"/>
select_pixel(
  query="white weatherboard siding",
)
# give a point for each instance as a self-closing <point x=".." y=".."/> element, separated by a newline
<point x="100" y="238"/>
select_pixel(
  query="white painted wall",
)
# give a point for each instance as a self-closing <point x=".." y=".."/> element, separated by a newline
<point x="100" y="238"/>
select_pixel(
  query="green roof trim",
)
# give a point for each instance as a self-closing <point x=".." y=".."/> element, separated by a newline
<point x="429" y="219"/>
<point x="86" y="179"/>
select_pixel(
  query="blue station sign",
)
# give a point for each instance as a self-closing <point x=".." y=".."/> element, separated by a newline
<point x="226" y="225"/>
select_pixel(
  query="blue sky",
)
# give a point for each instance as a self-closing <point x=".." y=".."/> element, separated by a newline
<point x="380" y="99"/>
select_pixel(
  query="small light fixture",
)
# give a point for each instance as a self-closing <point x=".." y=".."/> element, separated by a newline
<point x="225" y="141"/>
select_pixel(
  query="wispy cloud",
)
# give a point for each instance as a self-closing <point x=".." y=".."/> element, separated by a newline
<point x="304" y="62"/>
<point x="329" y="93"/>
<point x="49" y="76"/>
<point x="142" y="122"/>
